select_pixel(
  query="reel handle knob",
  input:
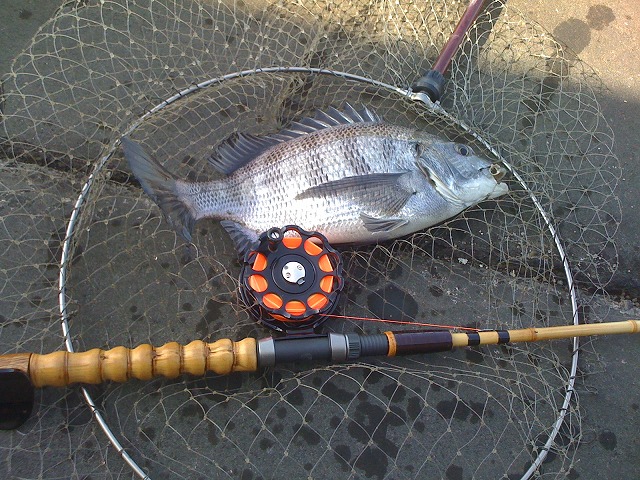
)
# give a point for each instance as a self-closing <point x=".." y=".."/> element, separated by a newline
<point x="274" y="237"/>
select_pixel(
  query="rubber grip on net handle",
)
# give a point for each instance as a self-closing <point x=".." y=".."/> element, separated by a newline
<point x="432" y="82"/>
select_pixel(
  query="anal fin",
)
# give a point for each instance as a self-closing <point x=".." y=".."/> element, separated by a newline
<point x="243" y="238"/>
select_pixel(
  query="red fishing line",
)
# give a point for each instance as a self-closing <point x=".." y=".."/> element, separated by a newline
<point x="401" y="322"/>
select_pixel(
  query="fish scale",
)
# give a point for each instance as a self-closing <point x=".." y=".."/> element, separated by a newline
<point x="319" y="157"/>
<point x="346" y="174"/>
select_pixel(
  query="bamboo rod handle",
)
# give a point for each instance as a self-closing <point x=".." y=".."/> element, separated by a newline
<point x="144" y="362"/>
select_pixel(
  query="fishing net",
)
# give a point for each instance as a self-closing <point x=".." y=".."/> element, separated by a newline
<point x="179" y="77"/>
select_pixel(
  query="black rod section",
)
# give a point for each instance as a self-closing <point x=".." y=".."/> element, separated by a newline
<point x="408" y="343"/>
<point x="340" y="347"/>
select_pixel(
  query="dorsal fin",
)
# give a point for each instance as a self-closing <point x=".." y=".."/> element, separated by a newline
<point x="240" y="148"/>
<point x="332" y="117"/>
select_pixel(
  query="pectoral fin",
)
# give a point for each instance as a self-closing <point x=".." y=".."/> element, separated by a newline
<point x="377" y="192"/>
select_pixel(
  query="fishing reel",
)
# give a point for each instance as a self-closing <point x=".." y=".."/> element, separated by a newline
<point x="291" y="279"/>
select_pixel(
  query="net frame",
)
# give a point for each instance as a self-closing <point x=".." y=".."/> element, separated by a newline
<point x="418" y="97"/>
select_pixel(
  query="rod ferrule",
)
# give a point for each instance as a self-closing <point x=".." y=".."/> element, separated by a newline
<point x="266" y="352"/>
<point x="338" y="344"/>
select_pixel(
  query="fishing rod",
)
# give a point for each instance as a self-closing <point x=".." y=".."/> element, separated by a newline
<point x="290" y="280"/>
<point x="24" y="371"/>
<point x="224" y="356"/>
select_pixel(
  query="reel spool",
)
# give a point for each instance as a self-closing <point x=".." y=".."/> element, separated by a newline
<point x="291" y="279"/>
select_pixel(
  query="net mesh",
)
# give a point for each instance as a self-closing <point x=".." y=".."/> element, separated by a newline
<point x="96" y="68"/>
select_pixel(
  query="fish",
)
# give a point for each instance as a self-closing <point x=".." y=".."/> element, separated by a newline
<point x="346" y="174"/>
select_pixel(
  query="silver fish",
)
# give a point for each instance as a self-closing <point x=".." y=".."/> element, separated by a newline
<point x="346" y="174"/>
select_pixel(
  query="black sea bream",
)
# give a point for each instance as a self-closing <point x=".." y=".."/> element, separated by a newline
<point x="346" y="174"/>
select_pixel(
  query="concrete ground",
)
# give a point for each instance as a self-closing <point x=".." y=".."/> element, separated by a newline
<point x="606" y="37"/>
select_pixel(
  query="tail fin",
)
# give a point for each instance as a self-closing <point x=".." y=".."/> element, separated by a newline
<point x="160" y="185"/>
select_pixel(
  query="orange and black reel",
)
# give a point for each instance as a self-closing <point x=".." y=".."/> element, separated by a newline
<point x="291" y="279"/>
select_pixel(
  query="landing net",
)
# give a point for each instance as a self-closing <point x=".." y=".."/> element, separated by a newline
<point x="180" y="77"/>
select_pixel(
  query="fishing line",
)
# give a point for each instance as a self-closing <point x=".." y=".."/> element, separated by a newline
<point x="403" y="322"/>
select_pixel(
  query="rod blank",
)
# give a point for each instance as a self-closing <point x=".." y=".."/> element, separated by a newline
<point x="550" y="333"/>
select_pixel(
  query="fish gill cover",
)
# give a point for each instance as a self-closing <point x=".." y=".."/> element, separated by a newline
<point x="96" y="68"/>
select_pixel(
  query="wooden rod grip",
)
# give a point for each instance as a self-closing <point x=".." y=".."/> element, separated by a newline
<point x="144" y="362"/>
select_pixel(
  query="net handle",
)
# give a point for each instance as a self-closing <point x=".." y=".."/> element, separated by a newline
<point x="443" y="61"/>
<point x="432" y="82"/>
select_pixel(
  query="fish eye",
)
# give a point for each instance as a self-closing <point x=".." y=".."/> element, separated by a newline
<point x="463" y="150"/>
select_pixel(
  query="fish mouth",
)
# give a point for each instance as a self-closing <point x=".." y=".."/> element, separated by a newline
<point x="498" y="171"/>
